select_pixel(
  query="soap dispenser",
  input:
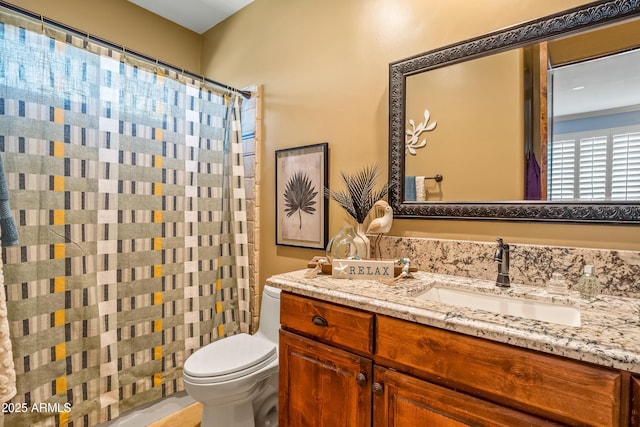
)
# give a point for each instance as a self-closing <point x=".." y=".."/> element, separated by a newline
<point x="588" y="284"/>
<point x="557" y="284"/>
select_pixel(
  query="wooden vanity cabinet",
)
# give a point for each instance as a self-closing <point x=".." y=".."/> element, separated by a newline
<point x="323" y="382"/>
<point x="345" y="367"/>
<point x="550" y="387"/>
<point x="635" y="402"/>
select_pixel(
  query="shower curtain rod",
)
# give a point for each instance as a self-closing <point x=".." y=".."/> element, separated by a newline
<point x="246" y="94"/>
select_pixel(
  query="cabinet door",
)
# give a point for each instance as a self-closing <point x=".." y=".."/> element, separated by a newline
<point x="404" y="401"/>
<point x="569" y="392"/>
<point x="321" y="386"/>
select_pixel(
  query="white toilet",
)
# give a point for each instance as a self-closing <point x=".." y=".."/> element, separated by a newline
<point x="236" y="378"/>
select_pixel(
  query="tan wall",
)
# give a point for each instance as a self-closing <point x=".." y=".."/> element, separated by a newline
<point x="478" y="108"/>
<point x="324" y="67"/>
<point x="619" y="37"/>
<point x="124" y="23"/>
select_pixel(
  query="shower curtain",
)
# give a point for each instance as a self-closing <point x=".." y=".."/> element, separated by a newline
<point x="127" y="184"/>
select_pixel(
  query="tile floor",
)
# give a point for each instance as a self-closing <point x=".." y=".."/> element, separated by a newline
<point x="187" y="417"/>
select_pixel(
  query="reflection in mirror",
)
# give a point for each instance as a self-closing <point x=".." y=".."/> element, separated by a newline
<point x="594" y="153"/>
<point x="488" y="138"/>
<point x="477" y="146"/>
<point x="489" y="96"/>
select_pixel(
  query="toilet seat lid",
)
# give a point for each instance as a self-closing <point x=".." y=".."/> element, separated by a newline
<point x="239" y="354"/>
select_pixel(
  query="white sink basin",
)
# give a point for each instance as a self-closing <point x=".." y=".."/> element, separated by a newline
<point x="529" y="309"/>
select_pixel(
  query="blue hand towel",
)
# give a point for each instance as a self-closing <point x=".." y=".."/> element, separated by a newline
<point x="410" y="188"/>
<point x="8" y="230"/>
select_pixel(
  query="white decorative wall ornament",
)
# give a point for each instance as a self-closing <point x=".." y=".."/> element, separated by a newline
<point x="412" y="140"/>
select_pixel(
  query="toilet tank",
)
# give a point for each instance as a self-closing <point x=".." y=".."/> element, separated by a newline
<point x="270" y="313"/>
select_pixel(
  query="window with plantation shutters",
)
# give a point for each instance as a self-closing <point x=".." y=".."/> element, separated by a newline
<point x="561" y="168"/>
<point x="595" y="165"/>
<point x="592" y="167"/>
<point x="625" y="166"/>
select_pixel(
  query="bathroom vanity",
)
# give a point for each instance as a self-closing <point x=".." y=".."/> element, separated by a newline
<point x="364" y="353"/>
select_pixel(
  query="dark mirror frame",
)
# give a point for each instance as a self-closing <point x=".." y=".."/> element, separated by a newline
<point x="571" y="21"/>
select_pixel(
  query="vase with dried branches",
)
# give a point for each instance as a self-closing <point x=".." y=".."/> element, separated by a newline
<point x="359" y="196"/>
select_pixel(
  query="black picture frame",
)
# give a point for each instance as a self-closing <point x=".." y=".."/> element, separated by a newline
<point x="302" y="211"/>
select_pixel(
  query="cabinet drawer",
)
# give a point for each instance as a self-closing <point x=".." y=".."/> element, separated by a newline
<point x="342" y="326"/>
<point x="569" y="392"/>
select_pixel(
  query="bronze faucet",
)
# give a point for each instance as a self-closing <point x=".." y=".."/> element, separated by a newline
<point x="501" y="256"/>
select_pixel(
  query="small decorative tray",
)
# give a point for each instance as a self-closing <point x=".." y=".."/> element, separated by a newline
<point x="327" y="268"/>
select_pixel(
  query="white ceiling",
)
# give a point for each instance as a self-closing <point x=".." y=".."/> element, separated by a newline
<point x="196" y="15"/>
<point x="601" y="84"/>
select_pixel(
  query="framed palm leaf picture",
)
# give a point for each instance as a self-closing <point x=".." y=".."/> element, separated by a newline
<point x="302" y="214"/>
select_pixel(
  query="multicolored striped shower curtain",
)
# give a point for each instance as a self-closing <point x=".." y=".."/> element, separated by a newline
<point x="127" y="186"/>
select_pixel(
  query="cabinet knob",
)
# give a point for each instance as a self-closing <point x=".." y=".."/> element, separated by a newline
<point x="361" y="379"/>
<point x="377" y="388"/>
<point x="320" y="321"/>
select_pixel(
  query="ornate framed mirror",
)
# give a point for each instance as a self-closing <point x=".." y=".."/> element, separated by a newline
<point x="497" y="88"/>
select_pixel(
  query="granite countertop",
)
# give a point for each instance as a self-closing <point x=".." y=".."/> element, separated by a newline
<point x="609" y="333"/>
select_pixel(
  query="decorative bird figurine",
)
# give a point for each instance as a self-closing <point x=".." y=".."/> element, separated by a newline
<point x="381" y="224"/>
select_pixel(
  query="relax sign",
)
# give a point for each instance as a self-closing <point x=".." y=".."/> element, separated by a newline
<point x="362" y="269"/>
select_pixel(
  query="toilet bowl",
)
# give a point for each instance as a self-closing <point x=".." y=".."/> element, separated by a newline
<point x="236" y="378"/>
